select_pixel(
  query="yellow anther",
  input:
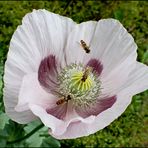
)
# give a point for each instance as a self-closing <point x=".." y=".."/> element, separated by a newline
<point x="81" y="81"/>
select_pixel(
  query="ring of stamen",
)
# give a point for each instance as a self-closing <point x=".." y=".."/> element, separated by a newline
<point x="80" y="83"/>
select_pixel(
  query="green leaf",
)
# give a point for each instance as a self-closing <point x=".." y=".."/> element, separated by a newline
<point x="14" y="130"/>
<point x="3" y="137"/>
<point x="3" y="120"/>
<point x="2" y="143"/>
<point x="29" y="127"/>
<point x="118" y="14"/>
<point x="34" y="140"/>
<point x="51" y="142"/>
<point x="145" y="57"/>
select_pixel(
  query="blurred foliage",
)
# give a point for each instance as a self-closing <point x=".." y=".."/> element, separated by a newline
<point x="129" y="130"/>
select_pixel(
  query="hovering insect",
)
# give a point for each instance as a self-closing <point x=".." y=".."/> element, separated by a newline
<point x="85" y="46"/>
<point x="86" y="73"/>
<point x="63" y="100"/>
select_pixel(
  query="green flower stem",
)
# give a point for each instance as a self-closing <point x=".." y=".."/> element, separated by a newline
<point x="26" y="136"/>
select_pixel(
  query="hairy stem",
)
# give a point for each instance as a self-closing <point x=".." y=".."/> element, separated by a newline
<point x="26" y="136"/>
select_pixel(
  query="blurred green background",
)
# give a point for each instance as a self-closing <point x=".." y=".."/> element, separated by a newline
<point x="129" y="130"/>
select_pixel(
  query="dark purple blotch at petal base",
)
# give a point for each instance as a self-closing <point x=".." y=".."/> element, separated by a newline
<point x="100" y="106"/>
<point x="47" y="73"/>
<point x="58" y="111"/>
<point x="96" y="65"/>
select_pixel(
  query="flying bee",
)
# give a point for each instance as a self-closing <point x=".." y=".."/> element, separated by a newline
<point x="85" y="46"/>
<point x="86" y="73"/>
<point x="63" y="100"/>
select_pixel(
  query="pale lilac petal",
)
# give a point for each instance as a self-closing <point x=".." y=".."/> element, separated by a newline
<point x="34" y="40"/>
<point x="50" y="121"/>
<point x="74" y="50"/>
<point x="48" y="74"/>
<point x="41" y="29"/>
<point x="58" y="29"/>
<point x="101" y="105"/>
<point x="117" y="52"/>
<point x="74" y="130"/>
<point x="32" y="92"/>
<point x="34" y="49"/>
<point x="137" y="81"/>
<point x="57" y="126"/>
<point x="71" y="113"/>
<point x="96" y="65"/>
<point x="112" y="45"/>
<point x="12" y="79"/>
<point x="112" y="83"/>
<point x="63" y="111"/>
<point x="59" y="111"/>
<point x="100" y="121"/>
<point x="105" y="117"/>
<point x="118" y="56"/>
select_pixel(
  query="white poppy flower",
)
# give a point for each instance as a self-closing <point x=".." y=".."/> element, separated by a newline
<point x="75" y="78"/>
